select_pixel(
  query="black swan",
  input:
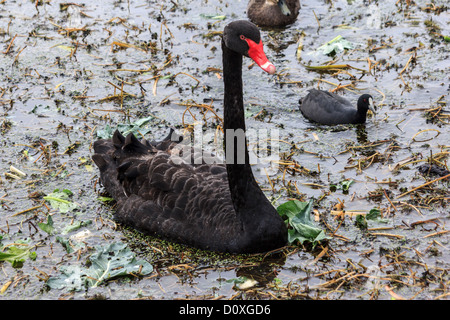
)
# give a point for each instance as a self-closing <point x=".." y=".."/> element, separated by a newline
<point x="214" y="207"/>
<point x="273" y="13"/>
<point x="329" y="108"/>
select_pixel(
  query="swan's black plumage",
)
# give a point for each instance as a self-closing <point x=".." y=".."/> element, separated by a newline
<point x="216" y="207"/>
<point x="273" y="13"/>
<point x="329" y="108"/>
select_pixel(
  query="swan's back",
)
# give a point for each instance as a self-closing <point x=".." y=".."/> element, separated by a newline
<point x="158" y="195"/>
<point x="327" y="108"/>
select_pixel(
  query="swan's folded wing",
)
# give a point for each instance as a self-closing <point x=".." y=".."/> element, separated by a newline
<point x="158" y="195"/>
<point x="177" y="201"/>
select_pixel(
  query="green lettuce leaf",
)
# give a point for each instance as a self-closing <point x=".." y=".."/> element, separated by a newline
<point x="138" y="128"/>
<point x="335" y="46"/>
<point x="298" y="216"/>
<point x="59" y="200"/>
<point x="47" y="227"/>
<point x="108" y="262"/>
<point x="17" y="256"/>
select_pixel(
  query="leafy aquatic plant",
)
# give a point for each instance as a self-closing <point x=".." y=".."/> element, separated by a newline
<point x="16" y="255"/>
<point x="138" y="127"/>
<point x="297" y="215"/>
<point x="59" y="200"/>
<point x="107" y="262"/>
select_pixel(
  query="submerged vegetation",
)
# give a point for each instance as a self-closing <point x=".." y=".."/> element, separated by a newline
<point x="367" y="205"/>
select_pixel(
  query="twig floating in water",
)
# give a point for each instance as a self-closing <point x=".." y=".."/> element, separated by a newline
<point x="10" y="44"/>
<point x="422" y="131"/>
<point x="423" y="185"/>
<point x="386" y="234"/>
<point x="27" y="210"/>
<point x="393" y="294"/>
<point x="17" y="171"/>
<point x="436" y="233"/>
<point x="406" y="65"/>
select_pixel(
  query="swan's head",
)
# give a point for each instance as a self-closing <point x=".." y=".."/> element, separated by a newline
<point x="243" y="37"/>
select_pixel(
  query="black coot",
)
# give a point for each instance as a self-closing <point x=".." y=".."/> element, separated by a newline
<point x="328" y="108"/>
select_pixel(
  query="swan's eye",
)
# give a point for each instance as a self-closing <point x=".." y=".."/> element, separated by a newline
<point x="242" y="37"/>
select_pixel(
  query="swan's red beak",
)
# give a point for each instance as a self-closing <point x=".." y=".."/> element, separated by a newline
<point x="256" y="53"/>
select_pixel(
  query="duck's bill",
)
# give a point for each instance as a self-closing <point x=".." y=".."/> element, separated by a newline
<point x="284" y="8"/>
<point x="256" y="53"/>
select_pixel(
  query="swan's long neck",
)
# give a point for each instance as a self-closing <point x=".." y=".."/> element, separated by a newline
<point x="244" y="189"/>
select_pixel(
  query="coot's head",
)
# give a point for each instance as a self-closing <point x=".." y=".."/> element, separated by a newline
<point x="365" y="102"/>
<point x="243" y="37"/>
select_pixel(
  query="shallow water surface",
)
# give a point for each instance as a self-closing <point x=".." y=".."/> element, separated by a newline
<point x="70" y="70"/>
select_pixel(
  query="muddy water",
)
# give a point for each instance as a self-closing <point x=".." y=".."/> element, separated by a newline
<point x="62" y="65"/>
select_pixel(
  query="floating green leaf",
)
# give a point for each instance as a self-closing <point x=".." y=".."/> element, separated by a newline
<point x="110" y="261"/>
<point x="373" y="214"/>
<point x="105" y="133"/>
<point x="58" y="200"/>
<point x="213" y="16"/>
<point x="65" y="242"/>
<point x="334" y="46"/>
<point x="75" y="226"/>
<point x="105" y="199"/>
<point x="346" y="185"/>
<point x="342" y="185"/>
<point x="238" y="280"/>
<point x="242" y="282"/>
<point x="72" y="277"/>
<point x="298" y="216"/>
<point x="361" y="222"/>
<point x="73" y="243"/>
<point x="47" y="227"/>
<point x="113" y="261"/>
<point x="137" y="127"/>
<point x="16" y="256"/>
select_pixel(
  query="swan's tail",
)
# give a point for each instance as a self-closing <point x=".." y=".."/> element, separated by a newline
<point x="110" y="155"/>
<point x="168" y="143"/>
<point x="107" y="150"/>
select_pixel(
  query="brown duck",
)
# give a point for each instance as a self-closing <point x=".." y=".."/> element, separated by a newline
<point x="273" y="13"/>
